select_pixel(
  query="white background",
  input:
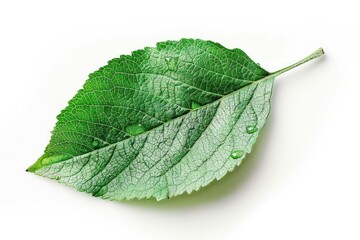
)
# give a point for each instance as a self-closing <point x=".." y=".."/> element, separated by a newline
<point x="300" y="182"/>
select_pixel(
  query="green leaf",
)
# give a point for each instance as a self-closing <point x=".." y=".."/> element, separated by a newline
<point x="161" y="122"/>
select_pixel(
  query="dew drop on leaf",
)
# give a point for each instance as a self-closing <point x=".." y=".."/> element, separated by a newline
<point x="195" y="105"/>
<point x="236" y="154"/>
<point x="95" y="143"/>
<point x="53" y="159"/>
<point x="251" y="129"/>
<point x="135" y="129"/>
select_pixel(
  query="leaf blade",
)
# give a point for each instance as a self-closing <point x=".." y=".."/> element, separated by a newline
<point x="165" y="82"/>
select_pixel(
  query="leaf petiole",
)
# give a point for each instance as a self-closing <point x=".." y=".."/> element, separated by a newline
<point x="316" y="54"/>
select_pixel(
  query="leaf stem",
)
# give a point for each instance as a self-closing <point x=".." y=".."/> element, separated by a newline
<point x="316" y="54"/>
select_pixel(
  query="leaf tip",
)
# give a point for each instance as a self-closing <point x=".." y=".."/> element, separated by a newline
<point x="33" y="168"/>
<point x="36" y="166"/>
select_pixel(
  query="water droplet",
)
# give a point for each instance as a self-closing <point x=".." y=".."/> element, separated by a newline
<point x="53" y="159"/>
<point x="236" y="154"/>
<point x="172" y="63"/>
<point x="195" y="105"/>
<point x="95" y="143"/>
<point x="135" y="129"/>
<point x="251" y="129"/>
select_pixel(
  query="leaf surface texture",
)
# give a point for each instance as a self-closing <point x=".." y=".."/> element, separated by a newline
<point x="161" y="122"/>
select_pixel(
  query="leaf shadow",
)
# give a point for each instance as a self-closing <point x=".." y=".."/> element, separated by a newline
<point x="216" y="190"/>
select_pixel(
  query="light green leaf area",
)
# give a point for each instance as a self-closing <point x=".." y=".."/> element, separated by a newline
<point x="161" y="122"/>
